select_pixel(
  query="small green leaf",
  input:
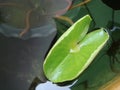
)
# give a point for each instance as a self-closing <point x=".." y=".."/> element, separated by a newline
<point x="74" y="51"/>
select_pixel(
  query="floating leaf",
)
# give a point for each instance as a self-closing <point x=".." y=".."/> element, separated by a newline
<point x="74" y="51"/>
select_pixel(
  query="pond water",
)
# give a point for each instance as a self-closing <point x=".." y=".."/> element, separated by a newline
<point x="21" y="61"/>
<point x="21" y="58"/>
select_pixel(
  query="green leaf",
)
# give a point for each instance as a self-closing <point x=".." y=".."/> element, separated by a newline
<point x="74" y="51"/>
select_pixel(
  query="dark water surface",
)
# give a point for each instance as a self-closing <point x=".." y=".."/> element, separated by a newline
<point x="21" y="61"/>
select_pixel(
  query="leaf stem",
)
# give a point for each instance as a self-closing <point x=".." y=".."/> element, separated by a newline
<point x="27" y="21"/>
<point x="80" y="4"/>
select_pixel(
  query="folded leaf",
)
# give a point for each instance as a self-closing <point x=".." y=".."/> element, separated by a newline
<point x="74" y="51"/>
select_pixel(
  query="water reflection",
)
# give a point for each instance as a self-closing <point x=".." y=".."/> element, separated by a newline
<point x="50" y="86"/>
<point x="30" y="16"/>
<point x="21" y="60"/>
<point x="53" y="86"/>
